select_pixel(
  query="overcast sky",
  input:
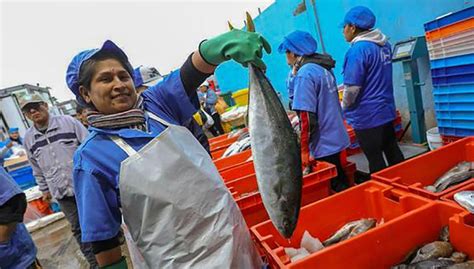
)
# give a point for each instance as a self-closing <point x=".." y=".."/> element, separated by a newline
<point x="38" y="39"/>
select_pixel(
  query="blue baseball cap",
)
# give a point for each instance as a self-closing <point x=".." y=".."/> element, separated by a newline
<point x="13" y="130"/>
<point x="299" y="42"/>
<point x="145" y="76"/>
<point x="361" y="17"/>
<point x="72" y="73"/>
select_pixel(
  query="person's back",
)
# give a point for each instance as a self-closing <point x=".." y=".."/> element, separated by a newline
<point x="322" y="98"/>
<point x="368" y="101"/>
<point x="370" y="64"/>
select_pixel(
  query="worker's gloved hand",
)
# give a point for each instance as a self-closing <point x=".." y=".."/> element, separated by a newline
<point x="240" y="46"/>
<point x="121" y="264"/>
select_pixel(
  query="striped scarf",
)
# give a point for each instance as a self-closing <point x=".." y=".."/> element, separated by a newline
<point x="133" y="118"/>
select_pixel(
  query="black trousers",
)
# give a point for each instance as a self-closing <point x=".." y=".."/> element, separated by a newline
<point x="377" y="141"/>
<point x="339" y="183"/>
<point x="69" y="208"/>
<point x="216" y="129"/>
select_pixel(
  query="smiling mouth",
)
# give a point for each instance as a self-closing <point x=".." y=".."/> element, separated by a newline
<point x="121" y="96"/>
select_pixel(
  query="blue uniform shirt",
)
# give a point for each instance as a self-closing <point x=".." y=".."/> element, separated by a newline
<point x="210" y="99"/>
<point x="97" y="160"/>
<point x="20" y="251"/>
<point x="290" y="86"/>
<point x="315" y="91"/>
<point x="369" y="66"/>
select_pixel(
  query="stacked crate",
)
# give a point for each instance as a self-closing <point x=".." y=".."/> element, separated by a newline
<point x="450" y="41"/>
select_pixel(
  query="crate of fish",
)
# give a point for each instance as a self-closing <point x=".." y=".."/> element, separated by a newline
<point x="238" y="171"/>
<point x="435" y="173"/>
<point x="233" y="161"/>
<point x="329" y="224"/>
<point x="462" y="196"/>
<point x="316" y="186"/>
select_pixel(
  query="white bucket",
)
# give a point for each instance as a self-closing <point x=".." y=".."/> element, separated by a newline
<point x="434" y="139"/>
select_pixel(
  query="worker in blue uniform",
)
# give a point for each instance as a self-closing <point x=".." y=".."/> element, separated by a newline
<point x="17" y="249"/>
<point x="13" y="140"/>
<point x="208" y="100"/>
<point x="368" y="101"/>
<point x="137" y="162"/>
<point x="315" y="99"/>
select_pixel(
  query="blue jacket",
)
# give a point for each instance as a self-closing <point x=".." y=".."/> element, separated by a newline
<point x="368" y="64"/>
<point x="315" y="91"/>
<point x="20" y="251"/>
<point x="97" y="161"/>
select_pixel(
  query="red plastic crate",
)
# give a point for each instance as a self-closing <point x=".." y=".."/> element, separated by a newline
<point x="450" y="196"/>
<point x="232" y="161"/>
<point x="450" y="139"/>
<point x="323" y="218"/>
<point x="413" y="175"/>
<point x="218" y="138"/>
<point x="388" y="244"/>
<point x="350" y="170"/>
<point x="217" y="154"/>
<point x="315" y="187"/>
<point x="223" y="143"/>
<point x="241" y="170"/>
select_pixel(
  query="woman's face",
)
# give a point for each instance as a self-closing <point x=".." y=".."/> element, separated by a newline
<point x="111" y="90"/>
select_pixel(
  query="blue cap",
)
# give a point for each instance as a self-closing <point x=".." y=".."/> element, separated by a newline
<point x="299" y="42"/>
<point x="72" y="73"/>
<point x="13" y="130"/>
<point x="361" y="17"/>
<point x="145" y="76"/>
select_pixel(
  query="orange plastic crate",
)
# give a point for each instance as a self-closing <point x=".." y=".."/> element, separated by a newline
<point x="232" y="161"/>
<point x="388" y="244"/>
<point x="323" y="218"/>
<point x="450" y="29"/>
<point x="413" y="175"/>
<point x="245" y="191"/>
<point x="217" y="154"/>
<point x="223" y="143"/>
<point x="350" y="170"/>
<point x="218" y="138"/>
<point x="450" y="196"/>
<point x="235" y="172"/>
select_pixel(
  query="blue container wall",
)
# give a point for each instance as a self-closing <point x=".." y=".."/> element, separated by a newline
<point x="398" y="19"/>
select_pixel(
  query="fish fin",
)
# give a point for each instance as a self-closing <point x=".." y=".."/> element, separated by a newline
<point x="231" y="27"/>
<point x="249" y="23"/>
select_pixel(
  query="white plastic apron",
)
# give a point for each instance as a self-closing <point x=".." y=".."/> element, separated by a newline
<point x="177" y="208"/>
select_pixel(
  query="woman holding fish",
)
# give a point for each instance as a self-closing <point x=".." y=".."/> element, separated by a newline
<point x="315" y="98"/>
<point x="138" y="162"/>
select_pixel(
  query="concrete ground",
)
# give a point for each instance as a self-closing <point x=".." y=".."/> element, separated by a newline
<point x="57" y="248"/>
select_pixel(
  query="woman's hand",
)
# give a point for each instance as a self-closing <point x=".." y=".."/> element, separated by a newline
<point x="240" y="46"/>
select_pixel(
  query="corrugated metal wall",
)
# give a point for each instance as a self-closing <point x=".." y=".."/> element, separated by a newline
<point x="398" y="19"/>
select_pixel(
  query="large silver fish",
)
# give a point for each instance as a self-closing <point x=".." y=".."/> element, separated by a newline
<point x="466" y="200"/>
<point x="276" y="154"/>
<point x="457" y="174"/>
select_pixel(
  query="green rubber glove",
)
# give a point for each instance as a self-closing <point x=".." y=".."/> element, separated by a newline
<point x="121" y="264"/>
<point x="240" y="46"/>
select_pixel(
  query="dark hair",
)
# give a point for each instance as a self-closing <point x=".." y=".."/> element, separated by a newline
<point x="88" y="67"/>
<point x="80" y="108"/>
<point x="359" y="30"/>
